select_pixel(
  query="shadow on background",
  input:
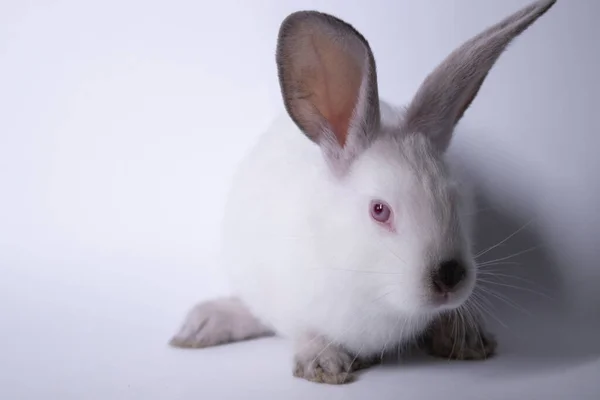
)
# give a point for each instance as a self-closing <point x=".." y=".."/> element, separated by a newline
<point x="527" y="305"/>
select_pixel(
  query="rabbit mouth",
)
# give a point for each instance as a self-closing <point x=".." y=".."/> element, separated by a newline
<point x="448" y="301"/>
<point x="442" y="297"/>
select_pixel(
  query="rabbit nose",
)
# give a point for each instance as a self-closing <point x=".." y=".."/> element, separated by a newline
<point x="448" y="275"/>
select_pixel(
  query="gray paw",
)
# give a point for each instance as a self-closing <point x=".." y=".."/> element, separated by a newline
<point x="454" y="338"/>
<point x="322" y="362"/>
<point x="218" y="322"/>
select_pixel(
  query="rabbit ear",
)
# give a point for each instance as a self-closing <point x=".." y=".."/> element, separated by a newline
<point x="329" y="85"/>
<point x="449" y="90"/>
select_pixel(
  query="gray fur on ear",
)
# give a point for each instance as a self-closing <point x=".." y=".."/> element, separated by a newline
<point x="449" y="90"/>
<point x="328" y="81"/>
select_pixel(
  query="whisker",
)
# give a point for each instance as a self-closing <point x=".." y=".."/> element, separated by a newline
<point x="322" y="351"/>
<point x="334" y="340"/>
<point x="385" y="294"/>
<point x="501" y="275"/>
<point x="406" y="319"/>
<point x="506" y="300"/>
<point x="539" y="293"/>
<point x="479" y="297"/>
<point x="393" y="253"/>
<point x="493" y="263"/>
<point x="464" y="331"/>
<point x="352" y="362"/>
<point x="485" y="310"/>
<point x="486" y="263"/>
<point x="454" y="330"/>
<point x="504" y="240"/>
<point x="475" y="327"/>
<point x="515" y="287"/>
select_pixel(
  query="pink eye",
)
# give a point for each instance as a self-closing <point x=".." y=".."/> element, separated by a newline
<point x="380" y="211"/>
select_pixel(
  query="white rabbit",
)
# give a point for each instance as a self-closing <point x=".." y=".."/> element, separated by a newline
<point x="345" y="229"/>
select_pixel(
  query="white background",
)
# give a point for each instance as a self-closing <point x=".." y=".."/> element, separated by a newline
<point x="121" y="123"/>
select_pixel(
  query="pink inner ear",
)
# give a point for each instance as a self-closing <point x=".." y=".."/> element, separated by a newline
<point x="340" y="125"/>
<point x="333" y="79"/>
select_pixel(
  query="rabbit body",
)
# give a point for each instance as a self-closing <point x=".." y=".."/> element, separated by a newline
<point x="348" y="225"/>
<point x="301" y="256"/>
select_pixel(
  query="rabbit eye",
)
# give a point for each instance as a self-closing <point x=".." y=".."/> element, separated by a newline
<point x="380" y="211"/>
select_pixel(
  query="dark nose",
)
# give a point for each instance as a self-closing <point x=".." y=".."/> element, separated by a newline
<point x="448" y="275"/>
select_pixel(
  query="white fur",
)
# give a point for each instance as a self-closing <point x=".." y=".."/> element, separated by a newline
<point x="302" y="252"/>
<point x="304" y="255"/>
